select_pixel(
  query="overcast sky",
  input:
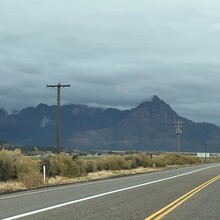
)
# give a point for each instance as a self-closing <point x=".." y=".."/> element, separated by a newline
<point x="114" y="53"/>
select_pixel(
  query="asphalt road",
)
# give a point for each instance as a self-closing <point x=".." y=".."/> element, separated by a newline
<point x="133" y="197"/>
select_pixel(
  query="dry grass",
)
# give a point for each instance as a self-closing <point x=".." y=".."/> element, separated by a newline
<point x="100" y="175"/>
<point x="11" y="186"/>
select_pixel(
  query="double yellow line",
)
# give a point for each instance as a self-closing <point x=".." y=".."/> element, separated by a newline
<point x="167" y="209"/>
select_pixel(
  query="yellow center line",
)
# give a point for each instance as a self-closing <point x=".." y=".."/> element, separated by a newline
<point x="167" y="209"/>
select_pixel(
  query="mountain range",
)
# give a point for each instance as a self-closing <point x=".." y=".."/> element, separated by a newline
<point x="147" y="127"/>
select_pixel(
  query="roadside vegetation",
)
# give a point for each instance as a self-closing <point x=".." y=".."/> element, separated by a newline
<point x="21" y="172"/>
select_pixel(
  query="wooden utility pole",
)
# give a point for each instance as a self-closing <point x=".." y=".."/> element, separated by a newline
<point x="58" y="86"/>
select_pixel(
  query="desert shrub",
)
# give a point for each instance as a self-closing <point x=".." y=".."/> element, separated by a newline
<point x="159" y="162"/>
<point x="146" y="160"/>
<point x="209" y="160"/>
<point x="61" y="165"/>
<point x="13" y="165"/>
<point x="134" y="160"/>
<point x="29" y="172"/>
<point x="126" y="164"/>
<point x="139" y="160"/>
<point x="193" y="160"/>
<point x="75" y="157"/>
<point x="45" y="161"/>
<point x="100" y="164"/>
<point x="134" y="163"/>
<point x="169" y="159"/>
<point x="9" y="162"/>
<point x="90" y="166"/>
<point x="112" y="163"/>
<point x="175" y="159"/>
<point x="81" y="165"/>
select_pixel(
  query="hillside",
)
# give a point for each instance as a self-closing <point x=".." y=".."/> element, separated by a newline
<point x="149" y="126"/>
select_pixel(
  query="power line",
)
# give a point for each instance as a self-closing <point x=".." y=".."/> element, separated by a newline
<point x="58" y="86"/>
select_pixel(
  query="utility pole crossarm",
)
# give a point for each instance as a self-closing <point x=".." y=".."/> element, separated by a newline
<point x="178" y="126"/>
<point x="58" y="86"/>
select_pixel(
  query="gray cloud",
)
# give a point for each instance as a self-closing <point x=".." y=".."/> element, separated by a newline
<point x="113" y="53"/>
<point x="44" y="122"/>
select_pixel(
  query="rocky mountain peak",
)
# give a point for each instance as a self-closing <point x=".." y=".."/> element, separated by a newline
<point x="156" y="110"/>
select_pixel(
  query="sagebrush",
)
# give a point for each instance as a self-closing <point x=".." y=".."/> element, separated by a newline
<point x="15" y="166"/>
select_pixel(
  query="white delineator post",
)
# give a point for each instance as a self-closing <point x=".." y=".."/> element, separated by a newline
<point x="44" y="173"/>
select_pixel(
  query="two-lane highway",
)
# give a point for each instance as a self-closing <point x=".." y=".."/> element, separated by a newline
<point x="133" y="197"/>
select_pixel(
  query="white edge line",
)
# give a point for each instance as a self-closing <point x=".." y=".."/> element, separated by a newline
<point x="78" y="184"/>
<point x="102" y="194"/>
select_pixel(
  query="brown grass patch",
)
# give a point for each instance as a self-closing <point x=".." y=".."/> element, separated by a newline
<point x="99" y="175"/>
<point x="11" y="186"/>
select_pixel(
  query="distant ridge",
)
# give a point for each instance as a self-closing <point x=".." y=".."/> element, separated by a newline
<point x="148" y="127"/>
